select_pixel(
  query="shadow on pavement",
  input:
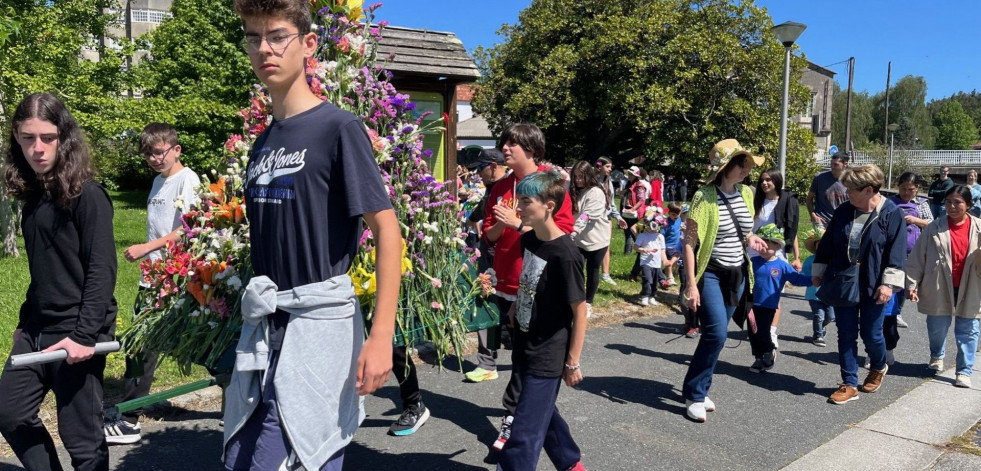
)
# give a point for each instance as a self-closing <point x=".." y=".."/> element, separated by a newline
<point x="358" y="456"/>
<point x="647" y="392"/>
<point x="174" y="448"/>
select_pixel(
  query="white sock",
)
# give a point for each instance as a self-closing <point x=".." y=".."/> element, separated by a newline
<point x="773" y="329"/>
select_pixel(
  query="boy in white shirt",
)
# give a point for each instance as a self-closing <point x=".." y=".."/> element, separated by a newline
<point x="162" y="150"/>
<point x="650" y="246"/>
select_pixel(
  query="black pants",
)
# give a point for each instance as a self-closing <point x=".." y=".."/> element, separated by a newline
<point x="761" y="342"/>
<point x="628" y="236"/>
<point x="648" y="285"/>
<point x="513" y="390"/>
<point x="78" y="396"/>
<point x="890" y="331"/>
<point x="405" y="373"/>
<point x="594" y="261"/>
<point x="139" y="370"/>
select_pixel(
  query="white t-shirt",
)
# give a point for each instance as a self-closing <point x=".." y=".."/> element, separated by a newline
<point x="764" y="217"/>
<point x="650" y="240"/>
<point x="162" y="217"/>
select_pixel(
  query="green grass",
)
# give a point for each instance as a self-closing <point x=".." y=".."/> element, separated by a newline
<point x="129" y="227"/>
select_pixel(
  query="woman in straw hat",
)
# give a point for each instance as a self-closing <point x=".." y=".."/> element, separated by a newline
<point x="720" y="228"/>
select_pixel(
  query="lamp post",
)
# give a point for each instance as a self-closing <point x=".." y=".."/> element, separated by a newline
<point x="787" y="33"/>
<point x="892" y="138"/>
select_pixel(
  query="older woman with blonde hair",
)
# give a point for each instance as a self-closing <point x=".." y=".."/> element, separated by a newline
<point x="946" y="262"/>
<point x="860" y="259"/>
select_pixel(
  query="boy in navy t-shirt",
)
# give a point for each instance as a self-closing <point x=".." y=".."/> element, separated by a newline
<point x="549" y="321"/>
<point x="311" y="178"/>
<point x="771" y="273"/>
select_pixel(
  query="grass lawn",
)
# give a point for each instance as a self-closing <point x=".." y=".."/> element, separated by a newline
<point x="129" y="226"/>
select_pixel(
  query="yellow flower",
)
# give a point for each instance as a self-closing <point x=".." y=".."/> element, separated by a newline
<point x="353" y="6"/>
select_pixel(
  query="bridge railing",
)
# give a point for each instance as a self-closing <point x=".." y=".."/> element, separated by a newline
<point x="921" y="158"/>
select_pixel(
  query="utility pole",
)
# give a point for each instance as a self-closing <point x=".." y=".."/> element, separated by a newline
<point x="885" y="125"/>
<point x="848" y="105"/>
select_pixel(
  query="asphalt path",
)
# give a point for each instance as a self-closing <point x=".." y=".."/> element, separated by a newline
<point x="627" y="413"/>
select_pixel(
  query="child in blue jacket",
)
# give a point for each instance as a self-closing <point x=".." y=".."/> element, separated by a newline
<point x="771" y="274"/>
<point x="823" y="314"/>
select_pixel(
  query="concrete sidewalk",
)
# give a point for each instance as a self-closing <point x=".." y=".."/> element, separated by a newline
<point x="910" y="433"/>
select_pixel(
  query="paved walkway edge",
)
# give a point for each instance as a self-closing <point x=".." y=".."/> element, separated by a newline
<point x="908" y="434"/>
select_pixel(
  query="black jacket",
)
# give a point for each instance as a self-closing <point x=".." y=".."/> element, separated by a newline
<point x="71" y="255"/>
<point x="786" y="216"/>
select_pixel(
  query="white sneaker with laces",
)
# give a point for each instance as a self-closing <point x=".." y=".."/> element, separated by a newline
<point x="645" y="301"/>
<point x="709" y="405"/>
<point x="653" y="302"/>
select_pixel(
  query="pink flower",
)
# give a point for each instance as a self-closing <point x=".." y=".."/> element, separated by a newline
<point x="437" y="305"/>
<point x="437" y="283"/>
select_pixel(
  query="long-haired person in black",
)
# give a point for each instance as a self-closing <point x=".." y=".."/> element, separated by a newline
<point x="71" y="255"/>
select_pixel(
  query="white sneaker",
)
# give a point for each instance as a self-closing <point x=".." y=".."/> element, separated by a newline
<point x="695" y="410"/>
<point x="653" y="302"/>
<point x="936" y="364"/>
<point x="645" y="301"/>
<point x="606" y="278"/>
<point x="963" y="381"/>
<point x="709" y="405"/>
<point x="589" y="310"/>
<point x="890" y="357"/>
<point x="900" y="322"/>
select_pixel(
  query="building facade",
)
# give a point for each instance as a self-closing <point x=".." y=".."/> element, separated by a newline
<point x="817" y="114"/>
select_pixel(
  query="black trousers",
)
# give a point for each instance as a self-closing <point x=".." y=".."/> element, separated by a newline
<point x="78" y="396"/>
<point x="594" y="261"/>
<point x="405" y="373"/>
<point x="761" y="342"/>
<point x="139" y="371"/>
<point x="890" y="331"/>
<point x="513" y="390"/>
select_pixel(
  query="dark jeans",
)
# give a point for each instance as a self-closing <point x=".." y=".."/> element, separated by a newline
<point x="405" y="373"/>
<point x="262" y="443"/>
<point x="78" y="395"/>
<point x="512" y="393"/>
<point x="867" y="319"/>
<point x="594" y="261"/>
<point x="890" y="332"/>
<point x="823" y="315"/>
<point x="628" y="237"/>
<point x="761" y="342"/>
<point x="538" y="425"/>
<point x="714" y="316"/>
<point x="649" y="285"/>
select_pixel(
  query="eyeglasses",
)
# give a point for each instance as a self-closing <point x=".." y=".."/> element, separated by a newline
<point x="277" y="42"/>
<point x="766" y="179"/>
<point x="158" y="153"/>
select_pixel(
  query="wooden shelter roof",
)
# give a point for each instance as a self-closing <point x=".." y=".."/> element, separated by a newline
<point x="423" y="53"/>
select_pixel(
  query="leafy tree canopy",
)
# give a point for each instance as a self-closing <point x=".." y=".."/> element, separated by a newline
<point x="955" y="128"/>
<point x="665" y="79"/>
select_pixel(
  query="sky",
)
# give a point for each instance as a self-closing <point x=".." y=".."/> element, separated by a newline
<point x="937" y="39"/>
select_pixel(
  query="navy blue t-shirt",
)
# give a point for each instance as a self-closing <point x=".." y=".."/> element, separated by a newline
<point x="310" y="178"/>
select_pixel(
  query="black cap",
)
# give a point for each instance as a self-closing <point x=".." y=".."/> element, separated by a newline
<point x="486" y="156"/>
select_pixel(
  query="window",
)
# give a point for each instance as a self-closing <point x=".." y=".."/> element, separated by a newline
<point x="143" y="15"/>
<point x="810" y="106"/>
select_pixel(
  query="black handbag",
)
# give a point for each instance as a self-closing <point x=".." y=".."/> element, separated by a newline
<point x="744" y="310"/>
<point x="841" y="290"/>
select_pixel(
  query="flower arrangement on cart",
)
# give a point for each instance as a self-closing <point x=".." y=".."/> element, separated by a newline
<point x="192" y="310"/>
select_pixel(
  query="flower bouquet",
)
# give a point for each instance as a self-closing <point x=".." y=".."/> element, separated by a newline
<point x="192" y="307"/>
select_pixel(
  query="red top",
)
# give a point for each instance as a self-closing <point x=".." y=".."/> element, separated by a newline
<point x="656" y="186"/>
<point x="959" y="240"/>
<point x="507" y="249"/>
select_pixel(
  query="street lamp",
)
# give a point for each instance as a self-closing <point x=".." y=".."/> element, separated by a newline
<point x="787" y="33"/>
<point x="892" y="138"/>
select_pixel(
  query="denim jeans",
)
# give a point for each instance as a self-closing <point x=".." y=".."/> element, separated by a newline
<point x="648" y="286"/>
<point x="965" y="334"/>
<point x="867" y="318"/>
<point x="713" y="316"/>
<point x="823" y="315"/>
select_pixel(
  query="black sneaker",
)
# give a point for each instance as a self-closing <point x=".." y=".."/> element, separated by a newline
<point x="757" y="366"/>
<point x="411" y="419"/>
<point x="505" y="434"/>
<point x="768" y="360"/>
<point x="121" y="432"/>
<point x="820" y="342"/>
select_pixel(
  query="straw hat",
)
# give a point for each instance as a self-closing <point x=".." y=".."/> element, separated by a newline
<point x="811" y="240"/>
<point x="724" y="151"/>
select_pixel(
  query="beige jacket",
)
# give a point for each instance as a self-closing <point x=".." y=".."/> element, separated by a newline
<point x="928" y="270"/>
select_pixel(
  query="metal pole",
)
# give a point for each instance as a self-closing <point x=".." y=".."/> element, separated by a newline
<point x="848" y="107"/>
<point x="886" y="125"/>
<point x="783" y="114"/>
<point x="892" y="137"/>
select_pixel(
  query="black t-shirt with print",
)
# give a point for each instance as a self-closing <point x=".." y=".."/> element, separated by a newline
<point x="551" y="280"/>
<point x="310" y="178"/>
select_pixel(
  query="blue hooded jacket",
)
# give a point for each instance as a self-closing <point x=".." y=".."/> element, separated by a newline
<point x="882" y="252"/>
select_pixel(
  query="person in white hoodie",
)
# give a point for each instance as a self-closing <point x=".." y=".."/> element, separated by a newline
<point x="591" y="233"/>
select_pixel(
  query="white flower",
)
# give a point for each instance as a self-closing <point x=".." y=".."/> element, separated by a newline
<point x="179" y="203"/>
<point x="212" y="324"/>
<point x="234" y="282"/>
<point x="331" y="66"/>
<point x="427" y="240"/>
<point x="194" y="313"/>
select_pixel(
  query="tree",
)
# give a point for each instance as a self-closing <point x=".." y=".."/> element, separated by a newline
<point x="9" y="27"/>
<point x="955" y="128"/>
<point x="907" y="100"/>
<point x="971" y="102"/>
<point x="665" y="79"/>
<point x="862" y="121"/>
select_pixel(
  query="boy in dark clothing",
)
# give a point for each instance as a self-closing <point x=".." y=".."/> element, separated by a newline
<point x="771" y="273"/>
<point x="71" y="255"/>
<point x="310" y="180"/>
<point x="549" y="320"/>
